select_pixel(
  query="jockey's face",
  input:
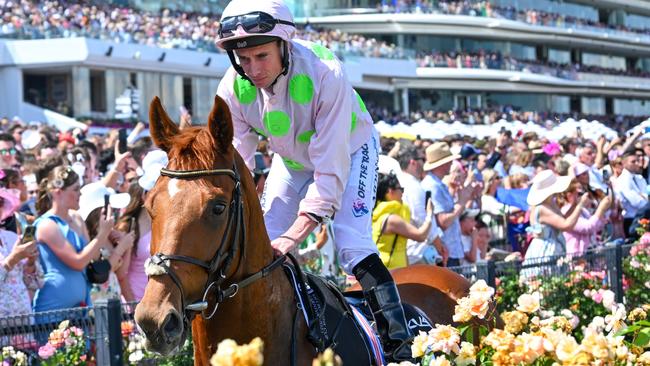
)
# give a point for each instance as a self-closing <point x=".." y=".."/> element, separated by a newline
<point x="262" y="64"/>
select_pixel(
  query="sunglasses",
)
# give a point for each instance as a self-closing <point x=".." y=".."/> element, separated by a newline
<point x="256" y="22"/>
<point x="401" y="189"/>
<point x="7" y="152"/>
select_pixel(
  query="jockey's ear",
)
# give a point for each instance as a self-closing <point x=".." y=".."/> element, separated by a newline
<point x="220" y="125"/>
<point x="161" y="126"/>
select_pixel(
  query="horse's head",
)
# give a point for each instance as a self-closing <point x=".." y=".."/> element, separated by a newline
<point x="198" y="216"/>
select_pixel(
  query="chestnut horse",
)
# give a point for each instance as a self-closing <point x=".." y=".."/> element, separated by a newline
<point x="205" y="203"/>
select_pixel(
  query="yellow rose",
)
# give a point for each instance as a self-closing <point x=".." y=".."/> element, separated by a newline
<point x="419" y="346"/>
<point x="440" y="361"/>
<point x="644" y="359"/>
<point x="444" y="338"/>
<point x="467" y="355"/>
<point x="481" y="290"/>
<point x="566" y="349"/>
<point x="462" y="311"/>
<point x="580" y="359"/>
<point x="528" y="303"/>
<point x="230" y="354"/>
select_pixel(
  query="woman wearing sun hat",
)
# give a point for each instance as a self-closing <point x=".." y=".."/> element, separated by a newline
<point x="547" y="222"/>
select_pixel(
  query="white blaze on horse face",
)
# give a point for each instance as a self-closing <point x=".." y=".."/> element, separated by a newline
<point x="172" y="187"/>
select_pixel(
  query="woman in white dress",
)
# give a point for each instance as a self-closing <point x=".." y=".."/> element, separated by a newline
<point x="547" y="222"/>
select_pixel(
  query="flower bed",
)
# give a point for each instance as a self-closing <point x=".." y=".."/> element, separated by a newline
<point x="534" y="337"/>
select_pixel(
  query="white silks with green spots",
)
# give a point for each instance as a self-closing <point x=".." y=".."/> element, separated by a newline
<point x="312" y="117"/>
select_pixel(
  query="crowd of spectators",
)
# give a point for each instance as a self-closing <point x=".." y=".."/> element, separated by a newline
<point x="544" y="197"/>
<point x="493" y="114"/>
<point x="498" y="61"/>
<point x="487" y="9"/>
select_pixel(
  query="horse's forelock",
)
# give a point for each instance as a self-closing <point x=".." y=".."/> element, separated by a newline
<point x="194" y="148"/>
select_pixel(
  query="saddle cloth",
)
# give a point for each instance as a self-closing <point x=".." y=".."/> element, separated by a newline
<point x="343" y="321"/>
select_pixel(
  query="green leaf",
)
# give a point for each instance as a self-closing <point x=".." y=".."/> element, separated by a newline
<point x="643" y="338"/>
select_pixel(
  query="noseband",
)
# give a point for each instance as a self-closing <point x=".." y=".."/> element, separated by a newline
<point x="219" y="265"/>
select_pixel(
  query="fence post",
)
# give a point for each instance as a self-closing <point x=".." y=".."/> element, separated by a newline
<point x="101" y="332"/>
<point x="491" y="274"/>
<point x="115" y="332"/>
<point x="619" y="273"/>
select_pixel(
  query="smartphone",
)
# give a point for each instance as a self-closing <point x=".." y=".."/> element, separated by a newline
<point x="647" y="130"/>
<point x="131" y="224"/>
<point x="29" y="234"/>
<point x="122" y="146"/>
<point x="427" y="197"/>
<point x="106" y="203"/>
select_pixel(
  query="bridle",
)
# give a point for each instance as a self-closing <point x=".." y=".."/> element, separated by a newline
<point x="222" y="260"/>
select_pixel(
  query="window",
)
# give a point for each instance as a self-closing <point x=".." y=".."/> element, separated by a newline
<point x="98" y="91"/>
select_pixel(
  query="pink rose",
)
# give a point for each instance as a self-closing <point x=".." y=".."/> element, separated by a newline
<point x="46" y="351"/>
<point x="597" y="297"/>
<point x="645" y="239"/>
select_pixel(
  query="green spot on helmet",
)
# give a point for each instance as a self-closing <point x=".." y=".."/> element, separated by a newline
<point x="293" y="165"/>
<point x="244" y="90"/>
<point x="305" y="137"/>
<point x="354" y="122"/>
<point x="322" y="52"/>
<point x="260" y="132"/>
<point x="362" y="105"/>
<point x="277" y="123"/>
<point x="301" y="89"/>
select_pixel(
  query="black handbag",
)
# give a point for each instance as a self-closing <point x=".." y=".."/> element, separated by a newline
<point x="98" y="271"/>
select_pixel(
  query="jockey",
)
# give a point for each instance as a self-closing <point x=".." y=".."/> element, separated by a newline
<point x="295" y="93"/>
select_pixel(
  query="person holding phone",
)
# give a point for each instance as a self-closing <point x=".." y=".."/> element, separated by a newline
<point x="64" y="247"/>
<point x="391" y="222"/>
<point x="20" y="272"/>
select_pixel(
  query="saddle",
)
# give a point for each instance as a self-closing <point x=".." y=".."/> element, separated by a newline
<point x="343" y="321"/>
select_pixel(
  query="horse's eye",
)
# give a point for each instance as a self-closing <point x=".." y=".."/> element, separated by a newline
<point x="218" y="209"/>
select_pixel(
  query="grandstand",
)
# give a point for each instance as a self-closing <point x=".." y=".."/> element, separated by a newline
<point x="409" y="59"/>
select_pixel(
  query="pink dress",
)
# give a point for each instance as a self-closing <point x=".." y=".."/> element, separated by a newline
<point x="583" y="235"/>
<point x="137" y="277"/>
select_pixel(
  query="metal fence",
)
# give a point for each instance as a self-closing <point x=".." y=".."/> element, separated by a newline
<point x="607" y="258"/>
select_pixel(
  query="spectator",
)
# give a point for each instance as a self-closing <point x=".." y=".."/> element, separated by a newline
<point x="547" y="222"/>
<point x="7" y="151"/>
<point x="419" y="251"/>
<point x="115" y="249"/>
<point x="137" y="220"/>
<point x="63" y="242"/>
<point x="20" y="272"/>
<point x="583" y="235"/>
<point x="467" y="227"/>
<point x="447" y="210"/>
<point x="391" y="223"/>
<point x="630" y="187"/>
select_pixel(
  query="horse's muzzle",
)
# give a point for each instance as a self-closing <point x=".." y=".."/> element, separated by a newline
<point x="163" y="336"/>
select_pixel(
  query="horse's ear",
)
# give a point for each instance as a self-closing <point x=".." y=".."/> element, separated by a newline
<point x="220" y="124"/>
<point x="161" y="126"/>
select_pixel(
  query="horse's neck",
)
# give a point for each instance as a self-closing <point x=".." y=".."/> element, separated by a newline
<point x="264" y="309"/>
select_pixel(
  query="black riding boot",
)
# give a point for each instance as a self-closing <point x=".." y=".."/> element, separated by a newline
<point x="380" y="291"/>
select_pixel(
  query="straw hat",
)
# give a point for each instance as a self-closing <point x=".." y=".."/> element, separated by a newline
<point x="92" y="197"/>
<point x="438" y="154"/>
<point x="545" y="184"/>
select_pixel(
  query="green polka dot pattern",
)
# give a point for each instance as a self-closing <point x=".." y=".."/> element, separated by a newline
<point x="354" y="122"/>
<point x="322" y="52"/>
<point x="305" y="137"/>
<point x="293" y="165"/>
<point x="260" y="132"/>
<point x="244" y="90"/>
<point x="301" y="89"/>
<point x="362" y="105"/>
<point x="277" y="123"/>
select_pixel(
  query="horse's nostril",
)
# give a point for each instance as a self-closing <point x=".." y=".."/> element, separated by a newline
<point x="172" y="325"/>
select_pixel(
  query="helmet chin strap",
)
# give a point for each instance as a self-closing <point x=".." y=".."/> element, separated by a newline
<point x="285" y="63"/>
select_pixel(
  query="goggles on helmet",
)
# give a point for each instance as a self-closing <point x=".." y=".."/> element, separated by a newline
<point x="256" y="22"/>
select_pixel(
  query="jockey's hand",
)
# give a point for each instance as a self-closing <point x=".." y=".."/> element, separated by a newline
<point x="283" y="245"/>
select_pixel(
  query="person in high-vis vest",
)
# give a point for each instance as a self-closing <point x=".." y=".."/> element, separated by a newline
<point x="296" y="94"/>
